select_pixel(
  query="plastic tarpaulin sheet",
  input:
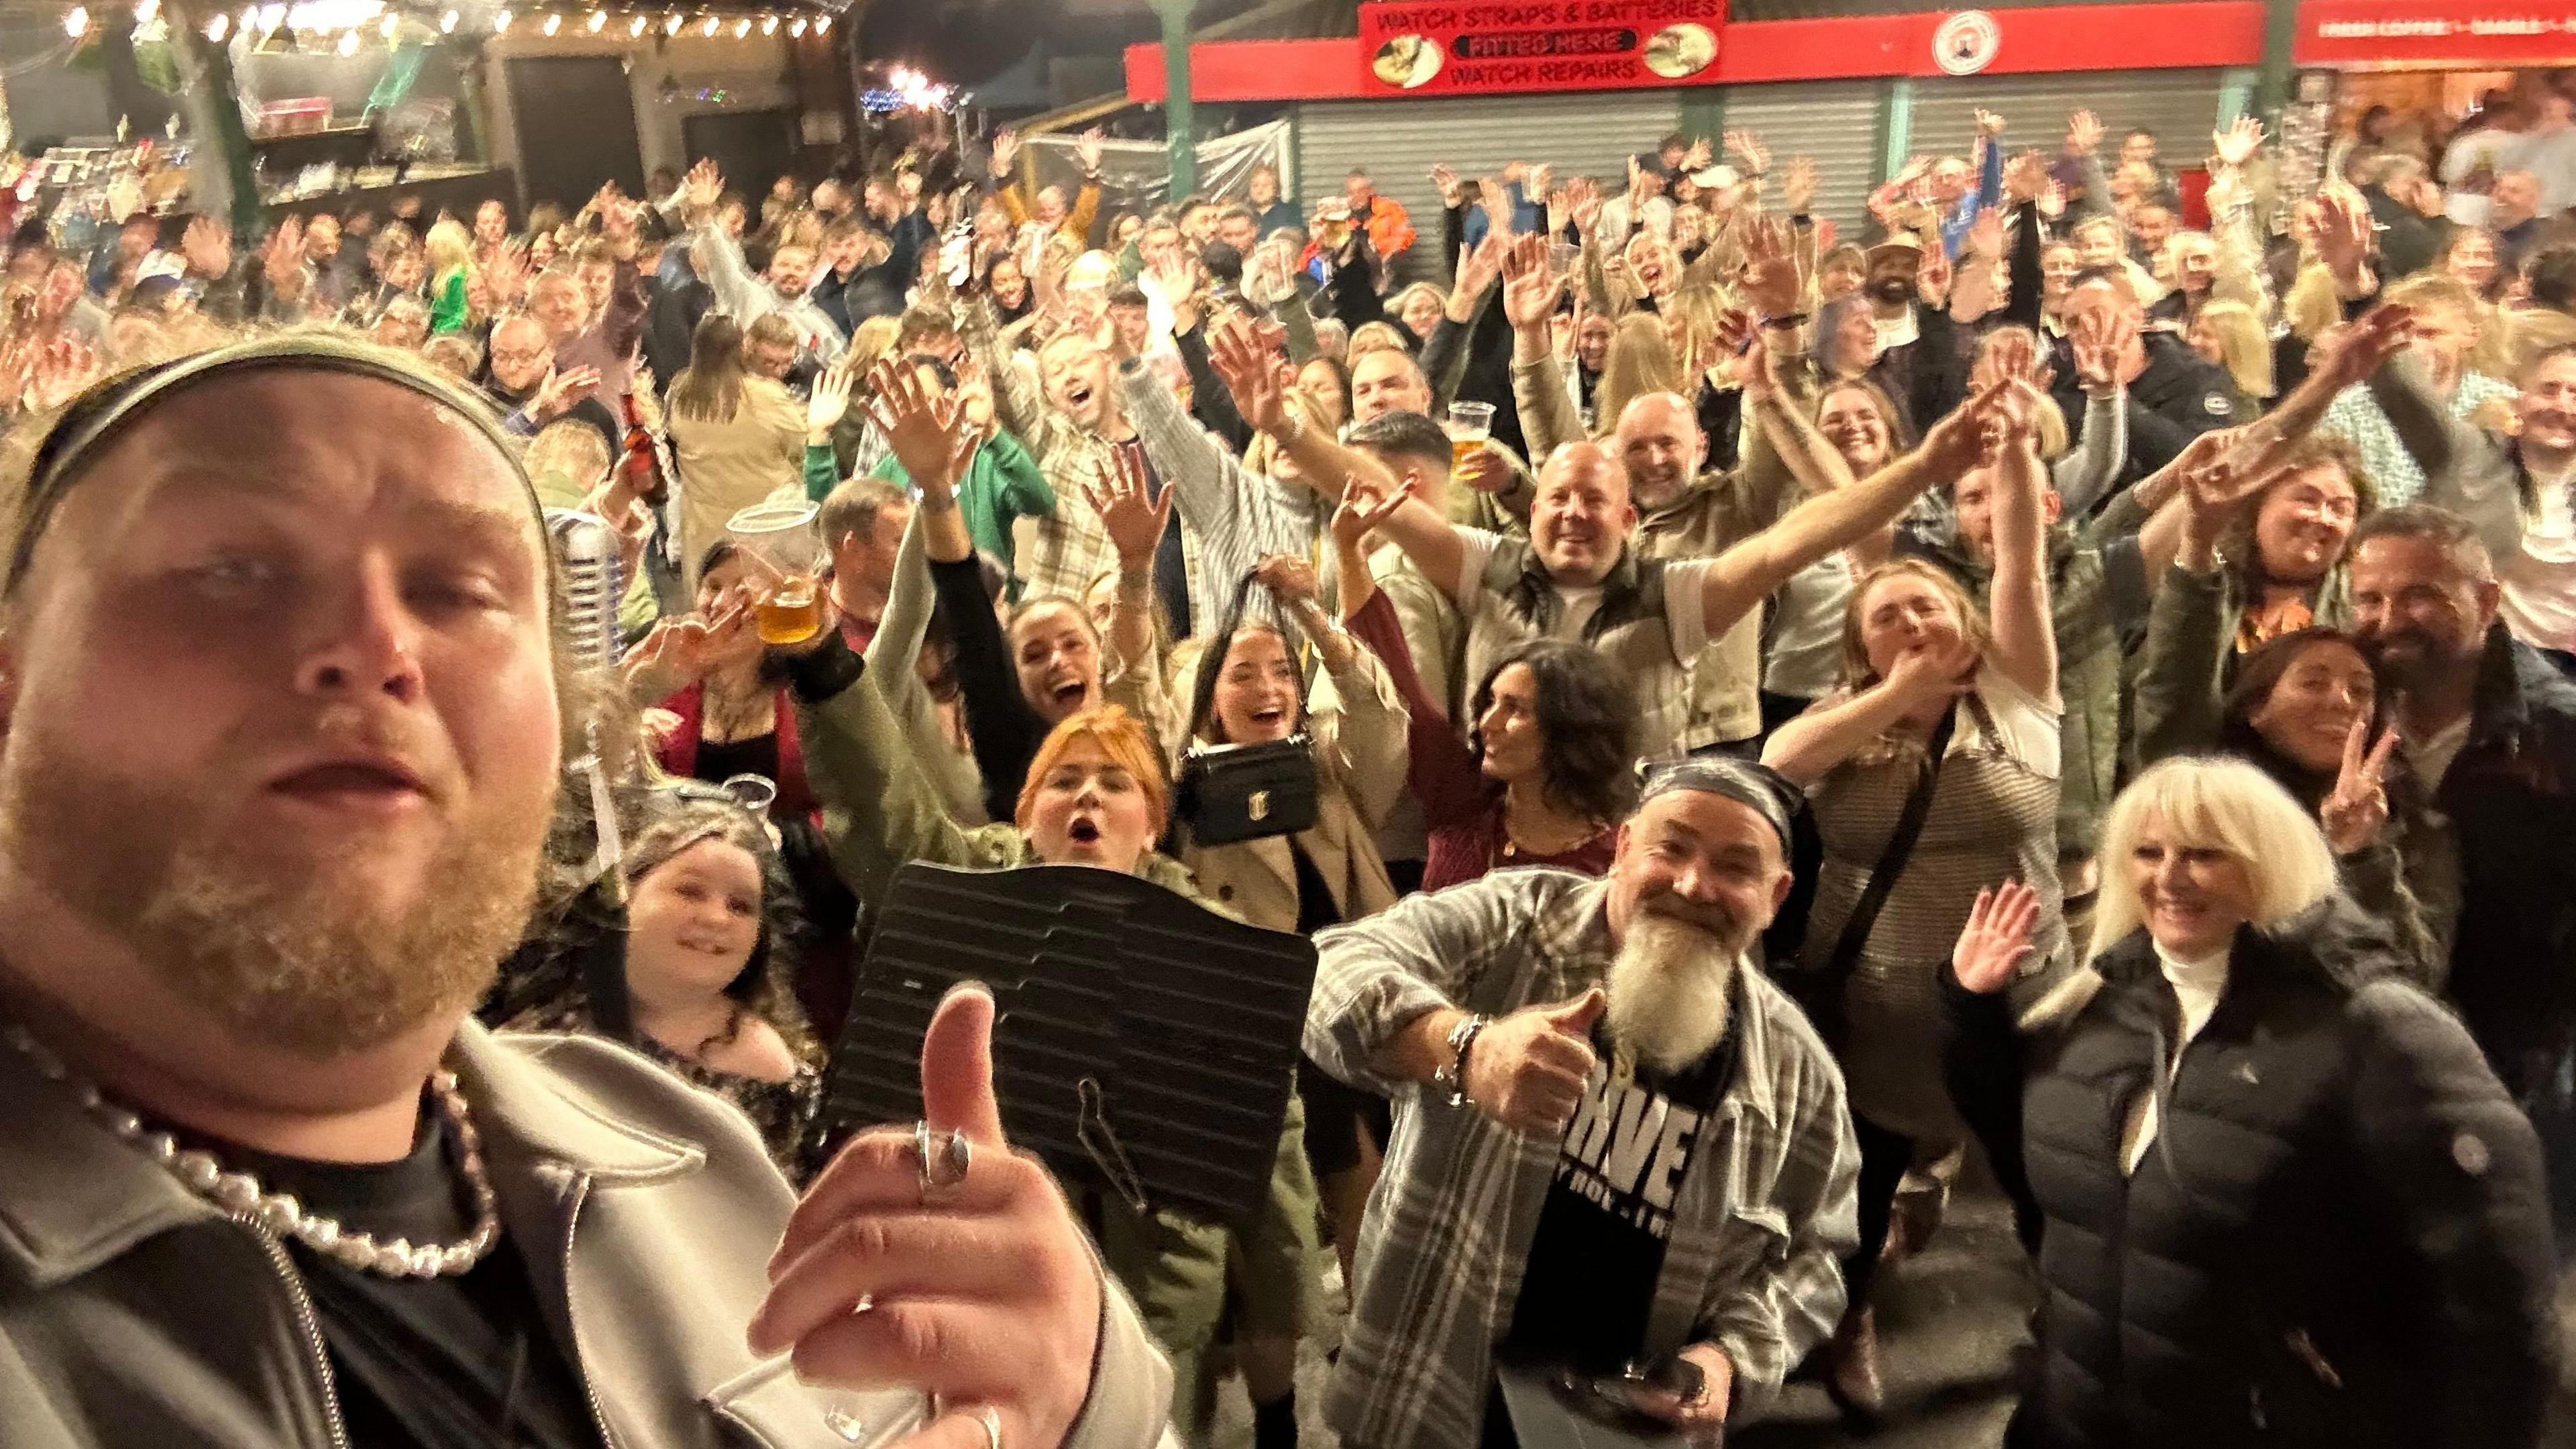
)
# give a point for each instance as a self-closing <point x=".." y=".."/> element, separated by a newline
<point x="1136" y="175"/>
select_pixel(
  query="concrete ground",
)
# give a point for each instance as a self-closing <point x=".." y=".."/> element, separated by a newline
<point x="1948" y="1319"/>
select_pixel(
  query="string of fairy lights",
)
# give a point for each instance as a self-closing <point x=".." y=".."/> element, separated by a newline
<point x="346" y="25"/>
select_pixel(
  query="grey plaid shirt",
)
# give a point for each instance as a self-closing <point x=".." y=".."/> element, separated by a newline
<point x="1763" y="1214"/>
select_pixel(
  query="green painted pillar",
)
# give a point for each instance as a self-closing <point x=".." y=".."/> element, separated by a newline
<point x="1703" y="116"/>
<point x="1175" y="15"/>
<point x="2273" y="80"/>
<point x="1895" y="127"/>
<point x="216" y="110"/>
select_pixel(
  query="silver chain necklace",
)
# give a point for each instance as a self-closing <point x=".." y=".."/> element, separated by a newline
<point x="241" y="1194"/>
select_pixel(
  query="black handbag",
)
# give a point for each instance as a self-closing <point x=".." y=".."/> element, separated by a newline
<point x="1228" y="793"/>
<point x="1244" y="792"/>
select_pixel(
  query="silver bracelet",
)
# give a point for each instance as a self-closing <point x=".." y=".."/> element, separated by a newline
<point x="1462" y="1040"/>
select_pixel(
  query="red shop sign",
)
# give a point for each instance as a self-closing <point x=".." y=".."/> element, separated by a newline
<point x="2401" y="32"/>
<point x="1466" y="47"/>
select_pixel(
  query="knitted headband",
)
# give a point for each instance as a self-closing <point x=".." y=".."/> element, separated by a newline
<point x="1758" y="787"/>
<point x="103" y="413"/>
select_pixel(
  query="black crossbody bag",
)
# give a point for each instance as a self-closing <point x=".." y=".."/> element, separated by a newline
<point x="1231" y="793"/>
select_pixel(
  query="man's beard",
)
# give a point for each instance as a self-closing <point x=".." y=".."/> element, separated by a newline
<point x="1891" y="290"/>
<point x="2408" y="658"/>
<point x="1669" y="988"/>
<point x="307" y="962"/>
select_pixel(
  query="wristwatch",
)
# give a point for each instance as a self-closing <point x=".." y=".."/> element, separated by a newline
<point x="1453" y="1077"/>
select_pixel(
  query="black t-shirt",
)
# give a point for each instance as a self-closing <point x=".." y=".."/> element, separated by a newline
<point x="1608" y="1216"/>
<point x="428" y="1363"/>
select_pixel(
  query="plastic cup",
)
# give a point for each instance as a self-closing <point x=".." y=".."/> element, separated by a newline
<point x="787" y="552"/>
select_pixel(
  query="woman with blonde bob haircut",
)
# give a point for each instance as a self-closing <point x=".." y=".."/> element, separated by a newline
<point x="2287" y="1202"/>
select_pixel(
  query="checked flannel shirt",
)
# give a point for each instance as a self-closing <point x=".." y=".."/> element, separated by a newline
<point x="1763" y="1214"/>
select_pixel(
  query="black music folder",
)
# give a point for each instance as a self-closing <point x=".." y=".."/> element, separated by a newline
<point x="1142" y="1042"/>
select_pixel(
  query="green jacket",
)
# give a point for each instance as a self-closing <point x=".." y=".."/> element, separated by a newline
<point x="1003" y="486"/>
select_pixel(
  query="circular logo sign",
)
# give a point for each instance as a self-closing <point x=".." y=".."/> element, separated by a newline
<point x="1966" y="42"/>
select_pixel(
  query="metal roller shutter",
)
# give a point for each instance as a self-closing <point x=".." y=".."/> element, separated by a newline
<point x="1833" y="123"/>
<point x="1398" y="142"/>
<point x="2180" y="106"/>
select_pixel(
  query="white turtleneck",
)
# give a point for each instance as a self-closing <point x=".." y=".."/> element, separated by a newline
<point x="2197" y="985"/>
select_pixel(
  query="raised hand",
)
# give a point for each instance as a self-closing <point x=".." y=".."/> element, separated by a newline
<point x="1996" y="940"/>
<point x="1986" y="235"/>
<point x="1485" y="471"/>
<point x="1497" y="203"/>
<point x="1364" y="508"/>
<point x="1478" y="269"/>
<point x="1989" y="125"/>
<point x="1526" y="1070"/>
<point x="2236" y="143"/>
<point x="830" y="400"/>
<point x="2025" y="177"/>
<point x="1006" y="150"/>
<point x="972" y="1284"/>
<point x="1133" y="521"/>
<point x="2083" y="133"/>
<point x="506" y="272"/>
<point x="1530" y="288"/>
<point x="1250" y="376"/>
<point x="705" y="184"/>
<point x="1583" y="204"/>
<point x="1746" y="146"/>
<point x="1453" y="192"/>
<point x="1538" y="179"/>
<point x="2358" y="807"/>
<point x="1087" y="151"/>
<point x="2101" y="339"/>
<point x="1771" y="281"/>
<point x="281" y="257"/>
<point x="2350" y="352"/>
<point x="1798" y="188"/>
<point x="62" y="368"/>
<point x="207" y="247"/>
<point x="561" y="392"/>
<point x="919" y="427"/>
<point x="2345" y="238"/>
<point x="1932" y="276"/>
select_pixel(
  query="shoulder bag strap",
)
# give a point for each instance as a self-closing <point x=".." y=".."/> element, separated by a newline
<point x="1891" y="861"/>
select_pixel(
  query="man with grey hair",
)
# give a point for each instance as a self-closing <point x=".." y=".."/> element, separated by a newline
<point x="1619" y="1142"/>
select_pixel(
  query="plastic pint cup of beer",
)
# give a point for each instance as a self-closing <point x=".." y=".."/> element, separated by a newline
<point x="1470" y="424"/>
<point x="787" y="553"/>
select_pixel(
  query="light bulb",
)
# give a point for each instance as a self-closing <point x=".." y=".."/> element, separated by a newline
<point x="501" y="23"/>
<point x="636" y="26"/>
<point x="797" y="28"/>
<point x="447" y="23"/>
<point x="671" y="23"/>
<point x="712" y="23"/>
<point x="742" y="27"/>
<point x="553" y="24"/>
<point x="216" y="27"/>
<point x="391" y="27"/>
<point x="769" y="25"/>
<point x="348" y="42"/>
<point x="598" y="19"/>
<point x="76" y="24"/>
<point x="822" y="23"/>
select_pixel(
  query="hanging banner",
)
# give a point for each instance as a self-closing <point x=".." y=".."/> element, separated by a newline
<point x="1469" y="47"/>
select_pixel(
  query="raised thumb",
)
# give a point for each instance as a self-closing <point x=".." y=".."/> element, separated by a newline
<point x="1577" y="1016"/>
<point x="957" y="1066"/>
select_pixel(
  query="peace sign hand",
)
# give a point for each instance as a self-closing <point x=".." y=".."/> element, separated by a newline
<point x="1996" y="939"/>
<point x="2355" y="812"/>
<point x="963" y="1276"/>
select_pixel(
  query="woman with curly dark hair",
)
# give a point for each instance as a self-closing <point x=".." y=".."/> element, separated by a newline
<point x="698" y="973"/>
<point x="1548" y="769"/>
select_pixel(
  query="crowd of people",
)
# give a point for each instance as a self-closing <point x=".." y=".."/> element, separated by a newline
<point x="2072" y="678"/>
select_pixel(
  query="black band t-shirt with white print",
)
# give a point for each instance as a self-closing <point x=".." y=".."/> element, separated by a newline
<point x="1609" y="1212"/>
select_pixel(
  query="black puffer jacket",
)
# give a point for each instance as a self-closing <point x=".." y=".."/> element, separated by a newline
<point x="2339" y="1238"/>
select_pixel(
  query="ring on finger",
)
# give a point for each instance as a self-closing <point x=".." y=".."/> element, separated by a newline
<point x="941" y="1158"/>
<point x="991" y="1420"/>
